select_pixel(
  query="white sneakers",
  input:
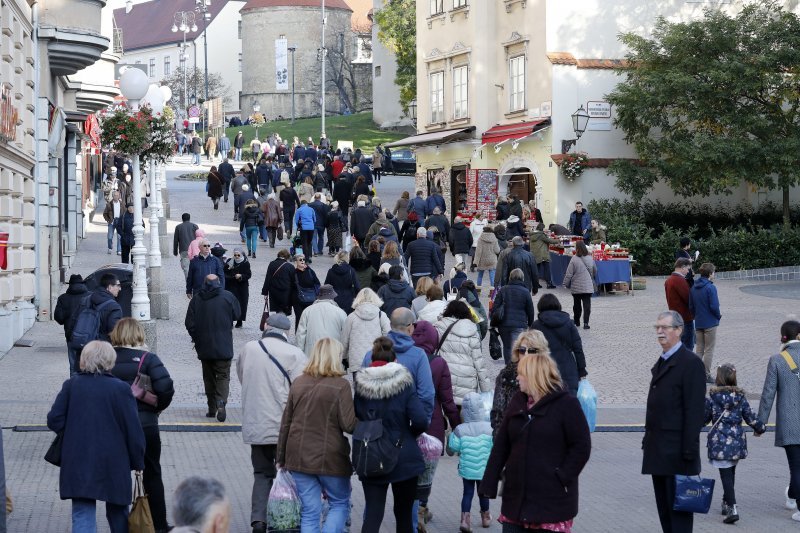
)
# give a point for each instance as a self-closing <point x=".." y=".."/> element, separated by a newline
<point x="791" y="504"/>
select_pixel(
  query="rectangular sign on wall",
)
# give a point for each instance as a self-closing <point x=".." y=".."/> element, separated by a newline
<point x="281" y="65"/>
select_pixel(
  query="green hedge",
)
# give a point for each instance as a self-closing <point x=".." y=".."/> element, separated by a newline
<point x="735" y="245"/>
<point x="703" y="219"/>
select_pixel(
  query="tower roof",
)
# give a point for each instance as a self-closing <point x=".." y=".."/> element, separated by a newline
<point x="329" y="4"/>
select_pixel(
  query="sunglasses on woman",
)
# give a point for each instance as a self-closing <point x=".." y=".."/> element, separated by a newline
<point x="526" y="349"/>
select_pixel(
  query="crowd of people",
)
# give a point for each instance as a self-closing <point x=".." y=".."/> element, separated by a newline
<point x="386" y="337"/>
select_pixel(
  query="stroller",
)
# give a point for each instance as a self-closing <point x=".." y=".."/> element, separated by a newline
<point x="296" y="246"/>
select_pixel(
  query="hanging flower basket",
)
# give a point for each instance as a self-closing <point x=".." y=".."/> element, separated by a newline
<point x="138" y="132"/>
<point x="573" y="164"/>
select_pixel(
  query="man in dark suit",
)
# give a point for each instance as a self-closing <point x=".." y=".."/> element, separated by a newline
<point x="675" y="409"/>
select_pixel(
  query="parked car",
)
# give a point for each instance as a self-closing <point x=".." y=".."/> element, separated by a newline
<point x="404" y="161"/>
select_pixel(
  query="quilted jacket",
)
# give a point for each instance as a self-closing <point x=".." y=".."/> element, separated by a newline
<point x="472" y="439"/>
<point x="462" y="351"/>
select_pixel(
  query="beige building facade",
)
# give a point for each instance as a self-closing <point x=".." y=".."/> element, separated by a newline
<point x="57" y="71"/>
<point x="497" y="83"/>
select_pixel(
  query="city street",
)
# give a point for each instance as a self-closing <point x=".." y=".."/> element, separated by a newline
<point x="620" y="349"/>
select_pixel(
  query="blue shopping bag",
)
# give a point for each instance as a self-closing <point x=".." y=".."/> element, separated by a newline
<point x="588" y="398"/>
<point x="693" y="494"/>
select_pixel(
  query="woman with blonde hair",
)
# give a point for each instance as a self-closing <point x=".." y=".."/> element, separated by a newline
<point x="506" y="385"/>
<point x="363" y="325"/>
<point x="101" y="440"/>
<point x="542" y="455"/>
<point x="423" y="284"/>
<point x="133" y="358"/>
<point x="318" y="412"/>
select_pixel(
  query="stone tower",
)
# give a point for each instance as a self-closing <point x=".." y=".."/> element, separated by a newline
<point x="300" y="22"/>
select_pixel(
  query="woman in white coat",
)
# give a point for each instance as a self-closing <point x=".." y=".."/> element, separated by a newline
<point x="435" y="306"/>
<point x="460" y="346"/>
<point x="476" y="229"/>
<point x="365" y="324"/>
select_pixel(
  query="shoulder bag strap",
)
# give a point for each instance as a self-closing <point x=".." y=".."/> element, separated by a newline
<point x="723" y="413"/>
<point x="444" y="336"/>
<point x="280" y="367"/>
<point x="141" y="360"/>
<point x="789" y="361"/>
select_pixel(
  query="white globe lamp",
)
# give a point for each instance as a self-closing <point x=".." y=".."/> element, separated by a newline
<point x="133" y="85"/>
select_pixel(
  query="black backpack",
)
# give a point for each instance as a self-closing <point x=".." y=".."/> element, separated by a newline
<point x="375" y="452"/>
<point x="87" y="324"/>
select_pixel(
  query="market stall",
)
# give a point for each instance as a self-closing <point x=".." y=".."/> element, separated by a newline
<point x="613" y="265"/>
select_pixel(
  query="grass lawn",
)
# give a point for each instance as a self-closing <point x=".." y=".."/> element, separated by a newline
<point x="357" y="128"/>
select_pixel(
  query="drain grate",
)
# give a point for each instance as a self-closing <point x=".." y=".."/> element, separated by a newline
<point x="51" y="349"/>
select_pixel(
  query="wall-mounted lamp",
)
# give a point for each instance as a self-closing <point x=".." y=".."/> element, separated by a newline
<point x="580" y="119"/>
<point x="515" y="144"/>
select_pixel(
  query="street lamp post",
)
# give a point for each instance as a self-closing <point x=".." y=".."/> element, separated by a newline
<point x="292" y="50"/>
<point x="323" y="53"/>
<point x="184" y="21"/>
<point x="134" y="87"/>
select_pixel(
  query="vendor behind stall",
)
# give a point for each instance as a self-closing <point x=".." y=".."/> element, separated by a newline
<point x="558" y="229"/>
<point x="579" y="221"/>
<point x="598" y="233"/>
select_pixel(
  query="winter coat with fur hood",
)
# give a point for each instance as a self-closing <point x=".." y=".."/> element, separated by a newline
<point x="462" y="351"/>
<point x="486" y="251"/>
<point x="387" y="392"/>
<point x="366" y="323"/>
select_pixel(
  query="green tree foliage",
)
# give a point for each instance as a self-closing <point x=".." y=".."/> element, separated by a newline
<point x="398" y="32"/>
<point x="713" y="103"/>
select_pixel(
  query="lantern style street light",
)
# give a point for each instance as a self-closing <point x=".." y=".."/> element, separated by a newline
<point x="580" y="119"/>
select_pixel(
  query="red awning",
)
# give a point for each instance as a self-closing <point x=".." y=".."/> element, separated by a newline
<point x="502" y="132"/>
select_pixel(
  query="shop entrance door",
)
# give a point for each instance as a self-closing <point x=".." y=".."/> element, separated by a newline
<point x="522" y="183"/>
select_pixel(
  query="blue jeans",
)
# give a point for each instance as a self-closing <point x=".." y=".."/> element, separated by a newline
<point x="319" y="242"/>
<point x="252" y="238"/>
<point x="237" y="156"/>
<point x="83" y="516"/>
<point x="469" y="492"/>
<point x="110" y="237"/>
<point x="195" y="159"/>
<point x="480" y="276"/>
<point x="687" y="337"/>
<point x="337" y="491"/>
<point x="74" y="361"/>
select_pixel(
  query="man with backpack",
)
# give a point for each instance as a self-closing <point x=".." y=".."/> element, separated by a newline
<point x="97" y="315"/>
<point x="67" y="306"/>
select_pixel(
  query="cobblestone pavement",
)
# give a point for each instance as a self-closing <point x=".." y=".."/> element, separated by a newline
<point x="620" y="349"/>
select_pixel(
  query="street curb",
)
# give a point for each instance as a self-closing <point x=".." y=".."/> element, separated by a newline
<point x="216" y="427"/>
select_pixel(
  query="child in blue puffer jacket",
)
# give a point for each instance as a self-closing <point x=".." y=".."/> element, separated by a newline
<point x="473" y="441"/>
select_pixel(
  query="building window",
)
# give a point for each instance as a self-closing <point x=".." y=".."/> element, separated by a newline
<point x="167" y="66"/>
<point x="240" y="61"/>
<point x="460" y="101"/>
<point x="516" y="72"/>
<point x="437" y="7"/>
<point x="437" y="97"/>
<point x="152" y="69"/>
<point x="459" y="3"/>
<point x="240" y="29"/>
<point x="378" y="71"/>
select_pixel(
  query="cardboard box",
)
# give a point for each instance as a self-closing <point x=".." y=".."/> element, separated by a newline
<point x="619" y="286"/>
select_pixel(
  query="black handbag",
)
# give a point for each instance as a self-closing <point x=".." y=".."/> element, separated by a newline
<point x="306" y="295"/>
<point x="53" y="455"/>
<point x="495" y="346"/>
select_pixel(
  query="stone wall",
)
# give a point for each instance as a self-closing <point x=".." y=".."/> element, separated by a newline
<point x="301" y="26"/>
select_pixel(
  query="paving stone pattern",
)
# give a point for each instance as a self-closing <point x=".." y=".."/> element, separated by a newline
<point x="620" y="349"/>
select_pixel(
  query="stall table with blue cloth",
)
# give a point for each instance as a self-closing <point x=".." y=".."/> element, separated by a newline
<point x="608" y="271"/>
